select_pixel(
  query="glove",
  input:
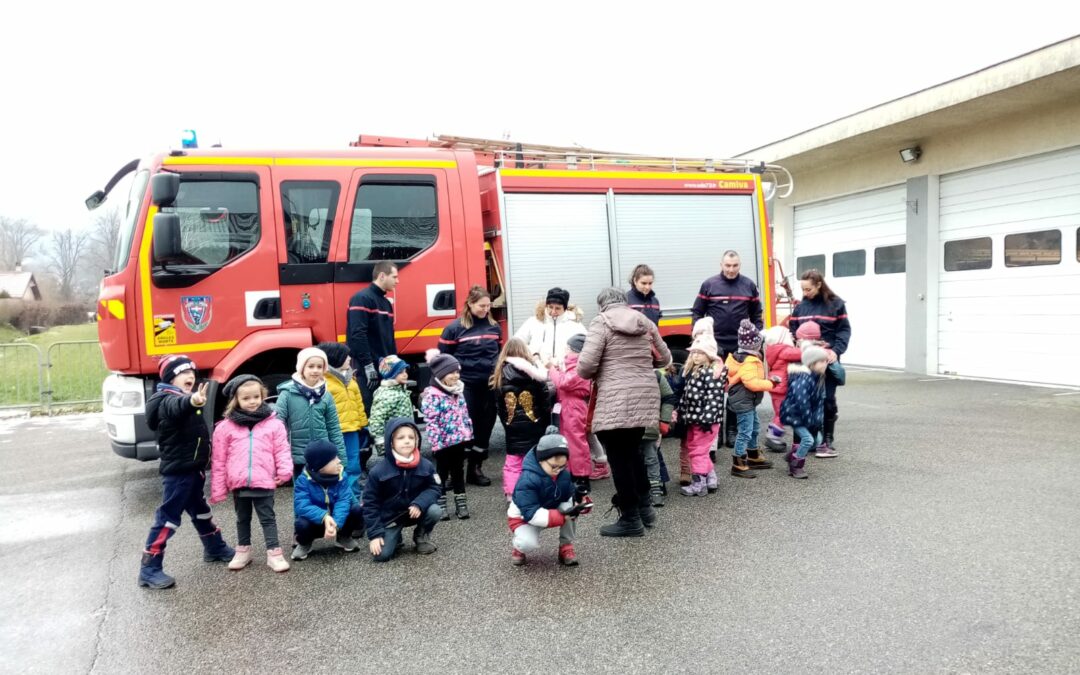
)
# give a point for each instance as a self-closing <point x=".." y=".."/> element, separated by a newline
<point x="664" y="428"/>
<point x="775" y="379"/>
<point x="372" y="376"/>
<point x="556" y="518"/>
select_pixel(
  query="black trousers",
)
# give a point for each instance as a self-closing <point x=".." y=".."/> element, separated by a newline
<point x="627" y="463"/>
<point x="307" y="531"/>
<point x="451" y="465"/>
<point x="264" y="508"/>
<point x="480" y="401"/>
<point x="831" y="409"/>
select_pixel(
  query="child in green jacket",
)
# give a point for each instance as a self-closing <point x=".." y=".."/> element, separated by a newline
<point x="391" y="398"/>
<point x="307" y="409"/>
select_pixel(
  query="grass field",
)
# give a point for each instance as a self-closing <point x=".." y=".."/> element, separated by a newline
<point x="76" y="371"/>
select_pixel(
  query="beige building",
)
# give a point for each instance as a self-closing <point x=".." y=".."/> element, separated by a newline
<point x="964" y="250"/>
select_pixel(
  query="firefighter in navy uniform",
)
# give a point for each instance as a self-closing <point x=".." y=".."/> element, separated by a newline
<point x="728" y="297"/>
<point x="370" y="333"/>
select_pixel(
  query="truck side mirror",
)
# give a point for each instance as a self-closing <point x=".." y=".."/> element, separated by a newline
<point x="164" y="188"/>
<point x="166" y="237"/>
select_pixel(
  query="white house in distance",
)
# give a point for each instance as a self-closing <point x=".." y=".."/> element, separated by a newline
<point x="16" y="289"/>
<point x="949" y="221"/>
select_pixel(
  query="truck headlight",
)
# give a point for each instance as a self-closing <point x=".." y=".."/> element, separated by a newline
<point x="123" y="399"/>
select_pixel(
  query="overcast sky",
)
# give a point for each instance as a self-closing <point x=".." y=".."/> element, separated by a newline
<point x="84" y="89"/>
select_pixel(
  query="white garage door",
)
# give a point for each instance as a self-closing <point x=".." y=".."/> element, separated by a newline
<point x="556" y="240"/>
<point x="1010" y="280"/>
<point x="858" y="243"/>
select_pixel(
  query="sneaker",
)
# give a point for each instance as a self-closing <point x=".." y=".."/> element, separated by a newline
<point x="586" y="504"/>
<point x="241" y="559"/>
<point x="275" y="559"/>
<point x="517" y="558"/>
<point x="600" y="472"/>
<point x="566" y="555"/>
<point x="711" y="484"/>
<point x="825" y="451"/>
<point x="347" y="543"/>
<point x="301" y="551"/>
<point x="423" y="543"/>
<point x="656" y="493"/>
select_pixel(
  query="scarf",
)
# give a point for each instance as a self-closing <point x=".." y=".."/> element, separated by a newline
<point x="344" y="375"/>
<point x="405" y="462"/>
<point x="325" y="479"/>
<point x="313" y="395"/>
<point x="250" y="419"/>
<point x="456" y="390"/>
<point x="171" y="388"/>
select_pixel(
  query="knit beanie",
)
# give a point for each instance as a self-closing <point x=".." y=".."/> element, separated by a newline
<point x="173" y="365"/>
<point x="777" y="335"/>
<point x="576" y="343"/>
<point x="749" y="337"/>
<point x="391" y="366"/>
<point x="808" y="331"/>
<point x="442" y="364"/>
<point x="336" y="353"/>
<point x="234" y="384"/>
<point x="558" y="296"/>
<point x="319" y="453"/>
<point x="704" y="340"/>
<point x="306" y="355"/>
<point x="813" y="354"/>
<point x="552" y="443"/>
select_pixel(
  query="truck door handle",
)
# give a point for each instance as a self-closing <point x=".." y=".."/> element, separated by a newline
<point x="267" y="308"/>
<point x="444" y="300"/>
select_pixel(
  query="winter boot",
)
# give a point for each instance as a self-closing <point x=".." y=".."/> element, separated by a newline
<point x="582" y="488"/>
<point x="628" y="525"/>
<point x="151" y="574"/>
<point x="656" y="492"/>
<point x="461" y="507"/>
<point x="756" y="460"/>
<point x="795" y="467"/>
<point x="517" y="558"/>
<point x="441" y="501"/>
<point x="567" y="556"/>
<point x="774" y="439"/>
<point x="600" y="471"/>
<point x="711" y="484"/>
<point x="242" y="558"/>
<point x="275" y="559"/>
<point x="422" y="540"/>
<point x="646" y="511"/>
<point x="697" y="487"/>
<point x="215" y="549"/>
<point x="740" y="468"/>
<point x="474" y="475"/>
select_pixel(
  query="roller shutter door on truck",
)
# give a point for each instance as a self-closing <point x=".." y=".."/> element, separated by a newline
<point x="556" y="240"/>
<point x="1009" y="285"/>
<point x="858" y="242"/>
<point x="683" y="238"/>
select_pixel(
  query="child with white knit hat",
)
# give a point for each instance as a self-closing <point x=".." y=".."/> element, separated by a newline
<point x="307" y="409"/>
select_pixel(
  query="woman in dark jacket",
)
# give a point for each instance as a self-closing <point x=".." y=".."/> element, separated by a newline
<point x="473" y="339"/>
<point x="641" y="297"/>
<point x="523" y="404"/>
<point x="822" y="306"/>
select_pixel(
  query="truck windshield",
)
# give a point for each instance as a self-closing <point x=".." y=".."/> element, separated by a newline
<point x="128" y="224"/>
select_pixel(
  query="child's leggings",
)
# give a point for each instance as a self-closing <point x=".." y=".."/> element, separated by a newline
<point x="696" y="445"/>
<point x="451" y="464"/>
<point x="777" y="401"/>
<point x="264" y="507"/>
<point x="511" y="472"/>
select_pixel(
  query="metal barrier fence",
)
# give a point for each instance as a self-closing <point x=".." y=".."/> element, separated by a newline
<point x="68" y="374"/>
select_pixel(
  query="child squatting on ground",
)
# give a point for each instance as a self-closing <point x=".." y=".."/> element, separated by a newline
<point x="251" y="459"/>
<point x="391" y="399"/>
<point x="449" y="427"/>
<point x="804" y="405"/>
<point x="323" y="502"/>
<point x="746" y="387"/>
<point x="307" y="409"/>
<point x="402" y="491"/>
<point x="349" y="403"/>
<point x="544" y="497"/>
<point x="174" y="413"/>
<point x="701" y="409"/>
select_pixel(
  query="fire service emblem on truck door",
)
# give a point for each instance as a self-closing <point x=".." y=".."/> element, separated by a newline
<point x="197" y="311"/>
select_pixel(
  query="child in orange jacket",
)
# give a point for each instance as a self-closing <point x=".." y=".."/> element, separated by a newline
<point x="746" y="388"/>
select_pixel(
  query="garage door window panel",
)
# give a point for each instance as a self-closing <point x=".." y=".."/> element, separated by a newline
<point x="810" y="262"/>
<point x="890" y="259"/>
<point x="969" y="254"/>
<point x="1031" y="249"/>
<point x="849" y="263"/>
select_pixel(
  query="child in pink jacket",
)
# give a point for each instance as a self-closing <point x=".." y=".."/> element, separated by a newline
<point x="573" y="395"/>
<point x="780" y="352"/>
<point x="250" y="458"/>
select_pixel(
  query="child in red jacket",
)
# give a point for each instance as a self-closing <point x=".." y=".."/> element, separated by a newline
<point x="780" y="352"/>
<point x="573" y="395"/>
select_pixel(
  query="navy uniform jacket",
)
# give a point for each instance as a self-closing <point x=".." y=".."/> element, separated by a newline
<point x="370" y="333"/>
<point x="728" y="302"/>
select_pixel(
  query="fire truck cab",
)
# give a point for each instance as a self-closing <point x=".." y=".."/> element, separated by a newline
<point x="241" y="258"/>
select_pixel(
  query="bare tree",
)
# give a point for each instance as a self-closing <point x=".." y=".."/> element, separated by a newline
<point x="104" y="235"/>
<point x="68" y="248"/>
<point x="17" y="240"/>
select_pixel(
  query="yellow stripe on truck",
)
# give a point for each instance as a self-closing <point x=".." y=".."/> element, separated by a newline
<point x="406" y="334"/>
<point x="359" y="162"/>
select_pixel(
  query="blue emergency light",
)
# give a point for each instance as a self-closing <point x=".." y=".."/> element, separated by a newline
<point x="188" y="139"/>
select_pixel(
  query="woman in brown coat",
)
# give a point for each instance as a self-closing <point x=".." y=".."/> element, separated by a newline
<point x="621" y="350"/>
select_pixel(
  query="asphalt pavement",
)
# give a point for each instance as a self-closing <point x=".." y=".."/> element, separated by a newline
<point x="943" y="539"/>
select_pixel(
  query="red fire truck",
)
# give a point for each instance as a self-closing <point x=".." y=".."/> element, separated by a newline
<point x="255" y="254"/>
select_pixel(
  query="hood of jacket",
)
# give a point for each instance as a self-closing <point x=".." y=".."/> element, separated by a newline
<point x="621" y="319"/>
<point x="516" y="368"/>
<point x="395" y="424"/>
<point x="572" y="313"/>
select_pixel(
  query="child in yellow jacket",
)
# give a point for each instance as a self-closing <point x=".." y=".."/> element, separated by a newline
<point x="747" y="385"/>
<point x="341" y="383"/>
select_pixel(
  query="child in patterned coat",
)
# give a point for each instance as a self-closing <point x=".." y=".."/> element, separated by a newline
<point x="449" y="427"/>
<point x="701" y="408"/>
<point x="391" y="399"/>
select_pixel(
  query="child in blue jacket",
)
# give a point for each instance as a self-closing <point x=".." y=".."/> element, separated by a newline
<point x="545" y="497"/>
<point x="804" y="406"/>
<point x="324" y="502"/>
<point x="402" y="491"/>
